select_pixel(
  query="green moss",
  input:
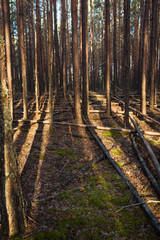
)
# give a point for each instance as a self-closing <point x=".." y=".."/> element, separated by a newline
<point x="63" y="152"/>
<point x="155" y="142"/>
<point x="73" y="157"/>
<point x="121" y="200"/>
<point x="117" y="151"/>
<point x="111" y="133"/>
<point x="120" y="164"/>
<point x="50" y="235"/>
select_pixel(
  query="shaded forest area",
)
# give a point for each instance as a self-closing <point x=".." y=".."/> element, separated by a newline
<point x="79" y="119"/>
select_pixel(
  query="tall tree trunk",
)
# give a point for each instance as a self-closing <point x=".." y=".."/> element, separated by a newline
<point x="68" y="59"/>
<point x="19" y="48"/>
<point x="85" y="93"/>
<point x="136" y="47"/>
<point x="140" y="48"/>
<point x="57" y="58"/>
<point x="50" y="63"/>
<point x="80" y="46"/>
<point x="115" y="46"/>
<point x="153" y="58"/>
<point x="77" y="106"/>
<point x="39" y="48"/>
<point x="11" y="200"/>
<point x="144" y="57"/>
<point x="6" y="19"/>
<point x="119" y="45"/>
<point x="64" y="48"/>
<point x="107" y="78"/>
<point x="126" y="58"/>
<point x="45" y="75"/>
<point x="21" y="6"/>
<point x="102" y="47"/>
<point x="92" y="82"/>
<point x="31" y="65"/>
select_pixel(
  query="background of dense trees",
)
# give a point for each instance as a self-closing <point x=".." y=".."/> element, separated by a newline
<point x="99" y="45"/>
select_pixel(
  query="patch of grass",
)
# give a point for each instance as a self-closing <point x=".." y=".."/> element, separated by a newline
<point x="73" y="157"/>
<point x="120" y="164"/>
<point x="155" y="142"/>
<point x="111" y="133"/>
<point x="63" y="152"/>
<point x="117" y="151"/>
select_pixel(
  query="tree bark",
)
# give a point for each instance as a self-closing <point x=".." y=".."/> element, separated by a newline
<point x="144" y="57"/>
<point x="153" y="58"/>
<point x="57" y="57"/>
<point x="11" y="200"/>
<point x="126" y="59"/>
<point x="107" y="79"/>
<point x="6" y="19"/>
<point x="63" y="36"/>
<point x="85" y="93"/>
<point x="115" y="46"/>
<point x="21" y="6"/>
<point x="77" y="106"/>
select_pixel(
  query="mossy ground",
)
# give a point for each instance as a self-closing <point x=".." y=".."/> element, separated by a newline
<point x="90" y="212"/>
<point x="87" y="208"/>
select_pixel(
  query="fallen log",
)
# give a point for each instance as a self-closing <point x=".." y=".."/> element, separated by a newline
<point x="84" y="126"/>
<point x="144" y="166"/>
<point x="153" y="219"/>
<point x="97" y="111"/>
<point x="148" y="148"/>
<point x="137" y="111"/>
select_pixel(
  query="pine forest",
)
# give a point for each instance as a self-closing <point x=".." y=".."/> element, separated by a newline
<point x="80" y="119"/>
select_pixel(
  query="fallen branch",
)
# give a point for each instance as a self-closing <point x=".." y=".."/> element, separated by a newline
<point x="97" y="111"/>
<point x="148" y="148"/>
<point x="153" y="219"/>
<point x="137" y="111"/>
<point x="137" y="204"/>
<point x="68" y="180"/>
<point x="144" y="166"/>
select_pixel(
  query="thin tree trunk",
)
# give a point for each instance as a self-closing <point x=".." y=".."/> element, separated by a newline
<point x="77" y="106"/>
<point x="144" y="57"/>
<point x="23" y="58"/>
<point x="115" y="46"/>
<point x="126" y="58"/>
<point x="64" y="48"/>
<point x="6" y="18"/>
<point x="92" y="82"/>
<point x="85" y="93"/>
<point x="50" y="64"/>
<point x="45" y="48"/>
<point x="119" y="46"/>
<point x="136" y="47"/>
<point x="57" y="58"/>
<point x="153" y="58"/>
<point x="140" y="48"/>
<point x="107" y="78"/>
<point x="102" y="47"/>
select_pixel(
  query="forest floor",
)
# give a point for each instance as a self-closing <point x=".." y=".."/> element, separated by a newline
<point x="90" y="207"/>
